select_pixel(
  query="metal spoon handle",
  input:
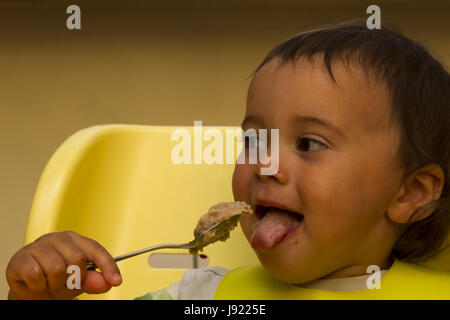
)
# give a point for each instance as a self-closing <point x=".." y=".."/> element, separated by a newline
<point x="197" y="243"/>
<point x="92" y="266"/>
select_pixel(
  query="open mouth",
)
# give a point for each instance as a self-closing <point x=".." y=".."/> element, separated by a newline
<point x="261" y="211"/>
<point x="273" y="225"/>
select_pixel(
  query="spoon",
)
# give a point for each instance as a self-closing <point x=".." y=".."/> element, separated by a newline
<point x="219" y="231"/>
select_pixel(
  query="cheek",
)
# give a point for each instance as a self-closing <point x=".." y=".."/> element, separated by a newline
<point x="336" y="199"/>
<point x="346" y="199"/>
<point x="241" y="182"/>
<point x="246" y="221"/>
<point x="242" y="176"/>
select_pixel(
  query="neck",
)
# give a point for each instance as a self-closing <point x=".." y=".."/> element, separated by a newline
<point x="359" y="269"/>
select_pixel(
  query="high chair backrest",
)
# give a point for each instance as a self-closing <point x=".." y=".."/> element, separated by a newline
<point x="120" y="185"/>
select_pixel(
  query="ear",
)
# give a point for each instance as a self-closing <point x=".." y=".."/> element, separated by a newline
<point x="421" y="187"/>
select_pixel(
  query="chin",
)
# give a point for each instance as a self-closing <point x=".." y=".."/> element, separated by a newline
<point x="286" y="271"/>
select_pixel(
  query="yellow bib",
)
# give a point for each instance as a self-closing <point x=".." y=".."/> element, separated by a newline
<point x="402" y="281"/>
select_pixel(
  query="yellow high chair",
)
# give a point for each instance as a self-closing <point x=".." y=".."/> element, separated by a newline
<point x="118" y="185"/>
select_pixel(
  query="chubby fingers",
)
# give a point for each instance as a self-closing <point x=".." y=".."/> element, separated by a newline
<point x="26" y="278"/>
<point x="97" y="254"/>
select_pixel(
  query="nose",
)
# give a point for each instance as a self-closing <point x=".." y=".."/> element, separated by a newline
<point x="280" y="175"/>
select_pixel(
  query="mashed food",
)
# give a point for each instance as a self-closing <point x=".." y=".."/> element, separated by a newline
<point x="217" y="213"/>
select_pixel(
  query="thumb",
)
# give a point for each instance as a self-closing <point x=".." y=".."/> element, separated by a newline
<point x="95" y="283"/>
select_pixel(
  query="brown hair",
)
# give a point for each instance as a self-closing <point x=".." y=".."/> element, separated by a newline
<point x="420" y="102"/>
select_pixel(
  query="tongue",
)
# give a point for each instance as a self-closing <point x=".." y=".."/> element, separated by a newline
<point x="272" y="228"/>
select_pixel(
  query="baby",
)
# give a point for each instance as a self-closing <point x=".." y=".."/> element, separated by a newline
<point x="363" y="180"/>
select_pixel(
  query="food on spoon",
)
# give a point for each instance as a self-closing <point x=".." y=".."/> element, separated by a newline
<point x="217" y="213"/>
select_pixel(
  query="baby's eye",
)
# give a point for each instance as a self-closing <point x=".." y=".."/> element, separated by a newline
<point x="309" y="145"/>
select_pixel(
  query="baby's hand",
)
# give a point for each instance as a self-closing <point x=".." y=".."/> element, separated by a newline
<point x="38" y="270"/>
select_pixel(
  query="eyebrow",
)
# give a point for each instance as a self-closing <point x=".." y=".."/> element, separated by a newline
<point x="297" y="119"/>
<point x="322" y="122"/>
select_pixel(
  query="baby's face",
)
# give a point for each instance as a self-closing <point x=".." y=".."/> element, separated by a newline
<point x="341" y="179"/>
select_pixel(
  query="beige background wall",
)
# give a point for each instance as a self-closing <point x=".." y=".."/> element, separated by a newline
<point x="145" y="62"/>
